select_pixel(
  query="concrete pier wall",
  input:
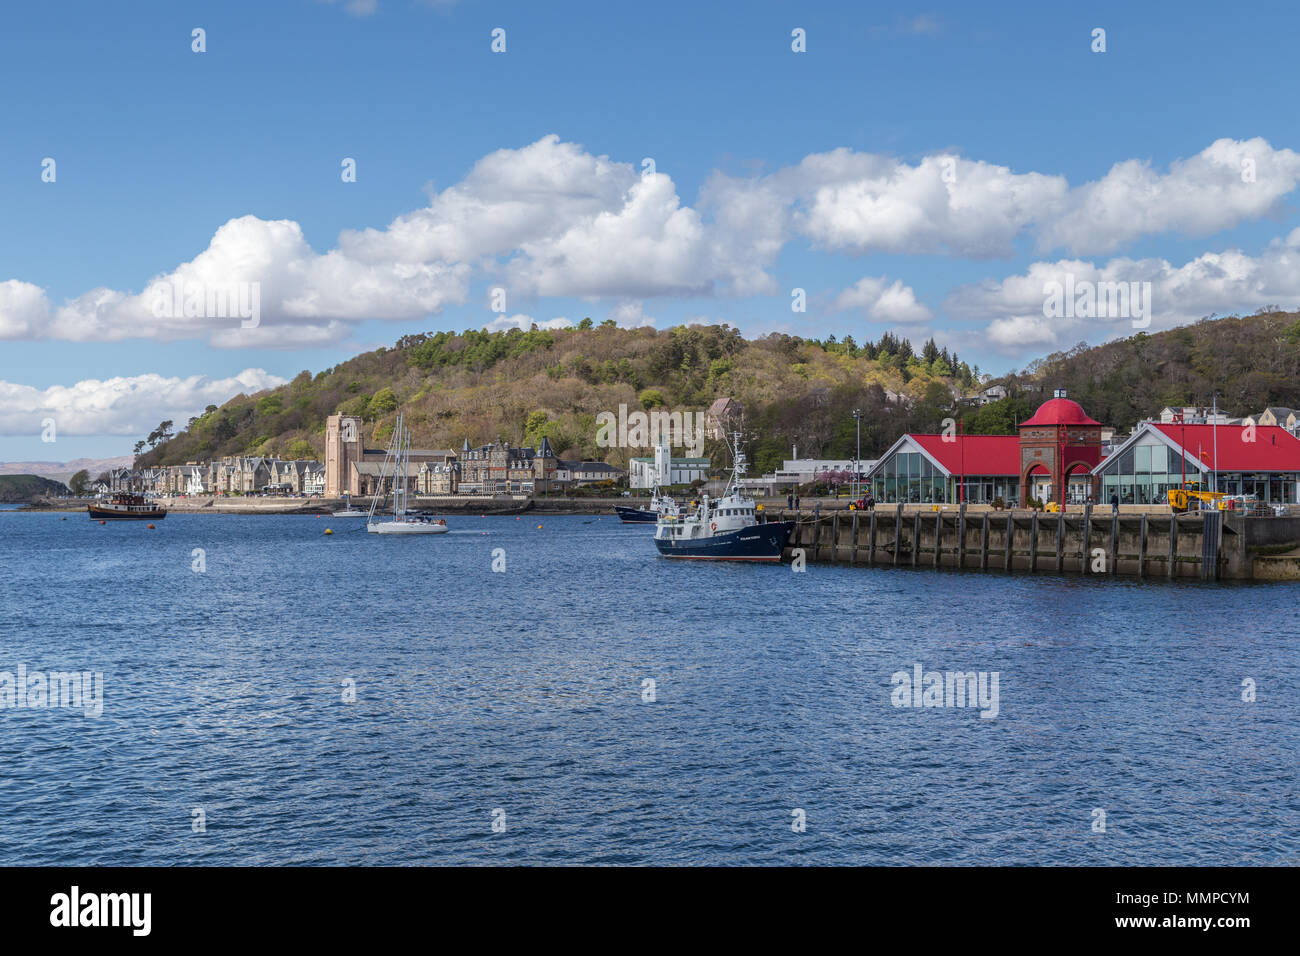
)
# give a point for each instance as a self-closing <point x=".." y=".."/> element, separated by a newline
<point x="1206" y="545"/>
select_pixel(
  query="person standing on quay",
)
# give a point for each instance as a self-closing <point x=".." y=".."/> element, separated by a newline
<point x="1114" y="502"/>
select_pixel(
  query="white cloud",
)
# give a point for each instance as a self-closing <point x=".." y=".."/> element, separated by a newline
<point x="1223" y="282"/>
<point x="525" y="322"/>
<point x="883" y="301"/>
<point x="1227" y="183"/>
<point x="120" y="406"/>
<point x="630" y="315"/>
<point x="552" y="220"/>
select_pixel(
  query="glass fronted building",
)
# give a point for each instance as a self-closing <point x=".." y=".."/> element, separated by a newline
<point x="1238" y="460"/>
<point x="933" y="469"/>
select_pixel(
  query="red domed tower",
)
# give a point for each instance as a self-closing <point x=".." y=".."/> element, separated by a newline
<point x="1057" y="443"/>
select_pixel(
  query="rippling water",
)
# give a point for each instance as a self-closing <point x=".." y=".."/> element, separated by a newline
<point x="522" y="691"/>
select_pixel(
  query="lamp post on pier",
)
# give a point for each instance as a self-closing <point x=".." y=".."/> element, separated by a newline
<point x="857" y="461"/>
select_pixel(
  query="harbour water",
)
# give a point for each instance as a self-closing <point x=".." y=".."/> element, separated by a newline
<point x="520" y="697"/>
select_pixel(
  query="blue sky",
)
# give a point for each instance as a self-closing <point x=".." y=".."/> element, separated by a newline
<point x="522" y="170"/>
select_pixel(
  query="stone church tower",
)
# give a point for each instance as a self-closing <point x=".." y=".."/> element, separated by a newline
<point x="342" y="448"/>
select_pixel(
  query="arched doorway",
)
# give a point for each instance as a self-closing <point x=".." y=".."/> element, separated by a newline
<point x="1078" y="483"/>
<point x="1038" y="483"/>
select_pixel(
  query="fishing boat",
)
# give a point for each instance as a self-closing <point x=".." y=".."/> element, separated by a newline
<point x="125" y="506"/>
<point x="403" y="521"/>
<point x="660" y="504"/>
<point x="727" y="529"/>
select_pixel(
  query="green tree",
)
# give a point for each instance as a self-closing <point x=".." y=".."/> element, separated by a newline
<point x="382" y="402"/>
<point x="585" y="323"/>
<point x="651" y="398"/>
<point x="79" y="481"/>
<point x="301" y="449"/>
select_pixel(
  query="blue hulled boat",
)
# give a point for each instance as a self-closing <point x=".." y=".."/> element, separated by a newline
<point x="727" y="529"/>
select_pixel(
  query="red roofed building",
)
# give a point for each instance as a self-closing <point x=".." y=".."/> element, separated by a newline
<point x="1262" y="460"/>
<point x="930" y="468"/>
<point x="1059" y="447"/>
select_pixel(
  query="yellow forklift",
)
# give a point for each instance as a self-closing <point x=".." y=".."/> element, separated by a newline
<point x="1180" y="499"/>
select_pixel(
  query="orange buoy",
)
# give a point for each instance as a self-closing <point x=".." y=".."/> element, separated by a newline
<point x="102" y="521"/>
<point x="539" y="526"/>
<point x="152" y="528"/>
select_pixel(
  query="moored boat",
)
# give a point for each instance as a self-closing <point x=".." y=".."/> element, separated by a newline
<point x="125" y="506"/>
<point x="727" y="529"/>
<point x="660" y="504"/>
<point x="403" y="521"/>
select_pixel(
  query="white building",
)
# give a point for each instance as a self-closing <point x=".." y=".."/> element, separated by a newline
<point x="663" y="469"/>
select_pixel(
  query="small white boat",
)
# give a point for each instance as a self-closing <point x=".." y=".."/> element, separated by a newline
<point x="349" y="511"/>
<point x="402" y="522"/>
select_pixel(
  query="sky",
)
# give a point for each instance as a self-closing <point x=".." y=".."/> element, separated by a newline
<point x="190" y="216"/>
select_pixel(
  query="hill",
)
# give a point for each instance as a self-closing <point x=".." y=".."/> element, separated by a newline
<point x="522" y="385"/>
<point x="1251" y="361"/>
<point x="15" y="489"/>
<point x="63" y="470"/>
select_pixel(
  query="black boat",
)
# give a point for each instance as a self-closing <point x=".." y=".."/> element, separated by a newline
<point x="127" y="507"/>
<point x="660" y="504"/>
<point x="756" y="542"/>
<point x="724" y="530"/>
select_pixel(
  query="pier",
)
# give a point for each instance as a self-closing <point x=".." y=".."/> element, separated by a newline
<point x="1207" y="545"/>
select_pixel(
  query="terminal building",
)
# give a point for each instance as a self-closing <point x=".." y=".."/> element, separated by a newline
<point x="1260" y="460"/>
<point x="1060" y="446"/>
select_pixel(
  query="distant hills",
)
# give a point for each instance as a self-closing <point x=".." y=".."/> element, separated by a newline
<point x="1251" y="361"/>
<point x="62" y="471"/>
<point x="16" y="489"/>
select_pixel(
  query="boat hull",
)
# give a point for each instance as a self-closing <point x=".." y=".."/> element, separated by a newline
<point x="762" y="542"/>
<point x="406" y="527"/>
<point x="110" y="514"/>
<point x="635" y="515"/>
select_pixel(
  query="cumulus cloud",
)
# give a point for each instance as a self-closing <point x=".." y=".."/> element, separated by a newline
<point x="551" y="219"/>
<point x="863" y="203"/>
<point x="1013" y="309"/>
<point x="883" y="301"/>
<point x="120" y="406"/>
<point x="1227" y="183"/>
<point x="525" y="322"/>
<point x="630" y="315"/>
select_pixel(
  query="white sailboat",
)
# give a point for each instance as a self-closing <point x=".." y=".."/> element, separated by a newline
<point x="402" y="522"/>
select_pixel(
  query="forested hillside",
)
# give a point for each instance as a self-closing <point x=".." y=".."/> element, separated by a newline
<point x="1251" y="361"/>
<point x="519" y="386"/>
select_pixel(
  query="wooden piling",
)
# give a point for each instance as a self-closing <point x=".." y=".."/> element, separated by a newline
<point x="1172" y="569"/>
<point x="1033" y="543"/>
<point x="1086" y="532"/>
<point x="916" y="536"/>
<point x="1060" y="540"/>
<point x="1011" y="534"/>
<point x="984" y="544"/>
<point x="1114" y="543"/>
<point x="871" y="538"/>
<point x="961" y="535"/>
<point x="835" y="536"/>
<point x="1142" y="546"/>
<point x="853" y="541"/>
<point x="938" y="535"/>
<point x="898" y="530"/>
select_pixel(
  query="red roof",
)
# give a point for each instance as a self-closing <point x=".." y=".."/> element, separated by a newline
<point x="1274" y="448"/>
<point x="1060" y="411"/>
<point x="974" y="454"/>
